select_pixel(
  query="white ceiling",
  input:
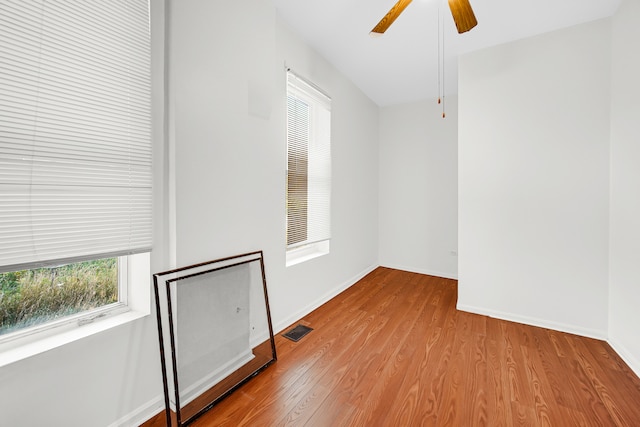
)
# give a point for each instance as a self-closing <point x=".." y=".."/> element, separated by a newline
<point x="402" y="65"/>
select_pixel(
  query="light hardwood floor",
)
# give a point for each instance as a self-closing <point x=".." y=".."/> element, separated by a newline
<point x="392" y="350"/>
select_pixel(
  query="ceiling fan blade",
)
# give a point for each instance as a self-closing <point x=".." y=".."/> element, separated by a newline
<point x="462" y="15"/>
<point x="391" y="16"/>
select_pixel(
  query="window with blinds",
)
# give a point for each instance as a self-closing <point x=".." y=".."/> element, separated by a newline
<point x="308" y="191"/>
<point x="75" y="133"/>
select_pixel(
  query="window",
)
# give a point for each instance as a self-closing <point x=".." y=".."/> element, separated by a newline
<point x="308" y="190"/>
<point x="75" y="153"/>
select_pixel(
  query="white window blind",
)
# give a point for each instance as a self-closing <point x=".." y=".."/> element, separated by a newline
<point x="308" y="163"/>
<point x="75" y="131"/>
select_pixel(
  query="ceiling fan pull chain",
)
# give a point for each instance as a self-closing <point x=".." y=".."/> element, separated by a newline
<point x="443" y="70"/>
<point x="439" y="53"/>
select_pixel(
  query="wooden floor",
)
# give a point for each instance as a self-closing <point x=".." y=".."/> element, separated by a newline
<point x="392" y="350"/>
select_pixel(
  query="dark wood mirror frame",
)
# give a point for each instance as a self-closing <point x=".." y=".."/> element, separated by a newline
<point x="264" y="353"/>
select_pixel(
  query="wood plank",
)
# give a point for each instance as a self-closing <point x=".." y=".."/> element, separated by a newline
<point x="498" y="396"/>
<point x="619" y="398"/>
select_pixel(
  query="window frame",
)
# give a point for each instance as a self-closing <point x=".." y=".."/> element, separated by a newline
<point x="64" y="323"/>
<point x="135" y="273"/>
<point x="40" y="338"/>
<point x="318" y="151"/>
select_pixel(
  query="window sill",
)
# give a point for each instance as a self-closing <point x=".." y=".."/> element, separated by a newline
<point x="74" y="328"/>
<point x="39" y="346"/>
<point x="306" y="253"/>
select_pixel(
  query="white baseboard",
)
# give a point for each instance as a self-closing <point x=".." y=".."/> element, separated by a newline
<point x="532" y="321"/>
<point x="421" y="271"/>
<point x="281" y="325"/>
<point x="141" y="414"/>
<point x="626" y="355"/>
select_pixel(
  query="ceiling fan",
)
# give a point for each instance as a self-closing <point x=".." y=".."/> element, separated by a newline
<point x="460" y="9"/>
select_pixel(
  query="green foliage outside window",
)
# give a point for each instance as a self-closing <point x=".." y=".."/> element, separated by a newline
<point x="32" y="297"/>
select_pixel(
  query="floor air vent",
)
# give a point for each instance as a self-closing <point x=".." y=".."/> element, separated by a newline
<point x="297" y="333"/>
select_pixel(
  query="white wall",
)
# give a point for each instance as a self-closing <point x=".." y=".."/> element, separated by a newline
<point x="418" y="185"/>
<point x="624" y="292"/>
<point x="225" y="191"/>
<point x="229" y="140"/>
<point x="534" y="178"/>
